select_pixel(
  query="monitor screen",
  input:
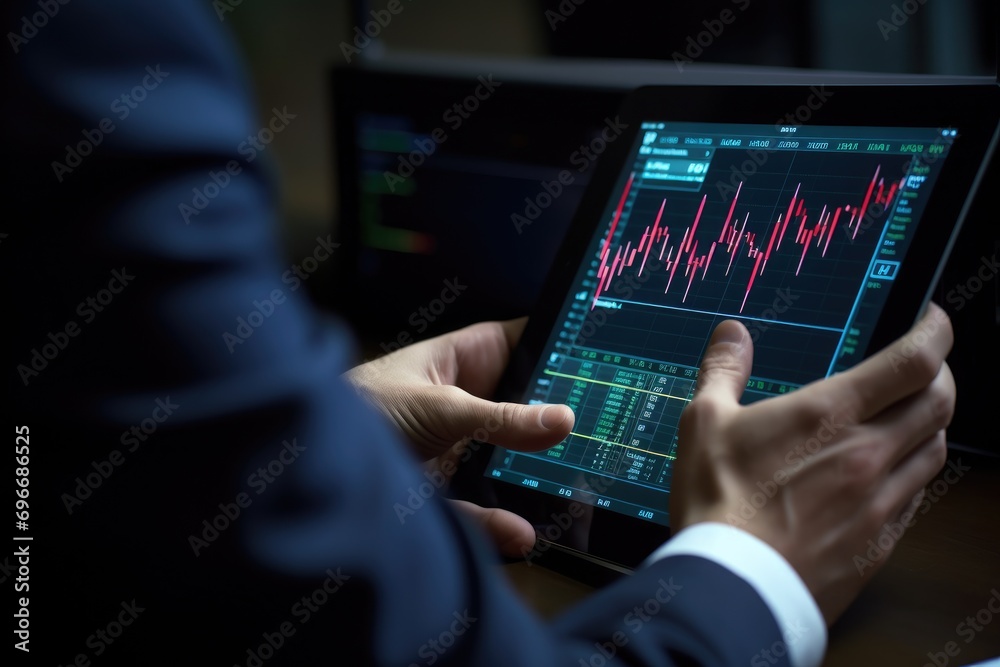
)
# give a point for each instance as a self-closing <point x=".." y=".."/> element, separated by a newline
<point x="444" y="190"/>
<point x="796" y="231"/>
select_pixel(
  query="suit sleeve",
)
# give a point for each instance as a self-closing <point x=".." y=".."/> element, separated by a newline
<point x="207" y="477"/>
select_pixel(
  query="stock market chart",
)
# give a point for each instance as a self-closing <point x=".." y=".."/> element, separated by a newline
<point x="796" y="232"/>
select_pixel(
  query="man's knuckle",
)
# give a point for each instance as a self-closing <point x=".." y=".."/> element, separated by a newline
<point x="821" y="405"/>
<point x="883" y="509"/>
<point x="939" y="450"/>
<point x="941" y="406"/>
<point x="873" y="516"/>
<point x="859" y="470"/>
<point x="925" y="365"/>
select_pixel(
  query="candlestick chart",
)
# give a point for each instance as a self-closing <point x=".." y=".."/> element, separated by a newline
<point x="734" y="238"/>
<point x="798" y="238"/>
<point x="801" y="246"/>
<point x="786" y="250"/>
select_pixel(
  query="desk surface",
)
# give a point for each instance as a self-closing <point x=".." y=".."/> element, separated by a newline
<point x="945" y="569"/>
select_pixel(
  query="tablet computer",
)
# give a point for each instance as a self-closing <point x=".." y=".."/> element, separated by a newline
<point x="820" y="217"/>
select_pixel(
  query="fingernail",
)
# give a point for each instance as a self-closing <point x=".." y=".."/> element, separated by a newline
<point x="729" y="332"/>
<point x="553" y="416"/>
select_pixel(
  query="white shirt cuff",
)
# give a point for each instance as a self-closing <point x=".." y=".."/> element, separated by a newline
<point x="768" y="573"/>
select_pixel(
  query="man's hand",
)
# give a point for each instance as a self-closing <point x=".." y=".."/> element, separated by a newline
<point x="435" y="392"/>
<point x="839" y="458"/>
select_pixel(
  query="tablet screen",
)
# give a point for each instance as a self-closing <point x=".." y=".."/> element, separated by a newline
<point x="796" y="231"/>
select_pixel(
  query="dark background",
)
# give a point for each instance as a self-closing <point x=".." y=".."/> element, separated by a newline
<point x="292" y="47"/>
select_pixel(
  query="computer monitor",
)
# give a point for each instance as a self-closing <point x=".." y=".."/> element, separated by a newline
<point x="452" y="184"/>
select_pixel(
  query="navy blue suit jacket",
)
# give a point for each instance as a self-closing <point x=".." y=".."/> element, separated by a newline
<point x="196" y="496"/>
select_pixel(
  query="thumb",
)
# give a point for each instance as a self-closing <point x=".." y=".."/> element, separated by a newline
<point x="512" y="425"/>
<point x="725" y="367"/>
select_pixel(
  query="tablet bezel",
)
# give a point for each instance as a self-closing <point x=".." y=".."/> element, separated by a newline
<point x="610" y="542"/>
